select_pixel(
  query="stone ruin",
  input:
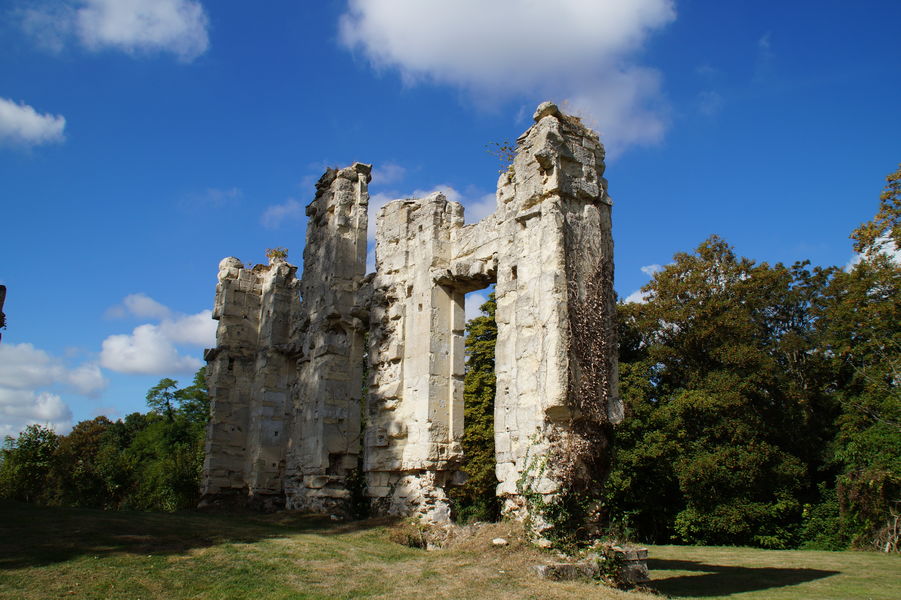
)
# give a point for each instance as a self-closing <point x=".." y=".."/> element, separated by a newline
<point x="291" y="426"/>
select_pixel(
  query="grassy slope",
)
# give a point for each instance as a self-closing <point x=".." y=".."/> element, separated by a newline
<point x="66" y="553"/>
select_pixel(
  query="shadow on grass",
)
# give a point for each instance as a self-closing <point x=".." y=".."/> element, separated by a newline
<point x="723" y="580"/>
<point x="35" y="536"/>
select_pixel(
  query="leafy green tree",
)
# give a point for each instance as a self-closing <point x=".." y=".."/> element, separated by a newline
<point x="161" y="398"/>
<point x="194" y="401"/>
<point x="727" y="415"/>
<point x="75" y="476"/>
<point x="860" y="327"/>
<point x="26" y="463"/>
<point x="167" y="454"/>
<point x="476" y="499"/>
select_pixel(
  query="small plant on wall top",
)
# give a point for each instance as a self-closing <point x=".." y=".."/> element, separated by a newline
<point x="279" y="252"/>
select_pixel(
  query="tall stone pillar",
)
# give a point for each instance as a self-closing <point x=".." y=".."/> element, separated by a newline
<point x="248" y="378"/>
<point x="415" y="407"/>
<point x="329" y="328"/>
<point x="556" y="351"/>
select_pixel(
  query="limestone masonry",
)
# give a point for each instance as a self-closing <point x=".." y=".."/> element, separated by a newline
<point x="289" y="424"/>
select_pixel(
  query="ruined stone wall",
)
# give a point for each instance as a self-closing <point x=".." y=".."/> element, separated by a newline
<point x="415" y="406"/>
<point x="555" y="357"/>
<point x="286" y="375"/>
<point x="329" y="329"/>
<point x="249" y="379"/>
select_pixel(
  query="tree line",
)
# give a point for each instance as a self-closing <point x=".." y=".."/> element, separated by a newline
<point x="146" y="461"/>
<point x="762" y="408"/>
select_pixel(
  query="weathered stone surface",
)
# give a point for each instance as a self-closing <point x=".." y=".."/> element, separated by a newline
<point x="566" y="571"/>
<point x="634" y="566"/>
<point x="286" y="374"/>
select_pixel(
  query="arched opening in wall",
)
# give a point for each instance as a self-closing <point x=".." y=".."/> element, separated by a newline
<point x="476" y="500"/>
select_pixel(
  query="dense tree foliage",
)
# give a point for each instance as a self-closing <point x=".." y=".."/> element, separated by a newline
<point x="146" y="461"/>
<point x="727" y="403"/>
<point x="860" y="323"/>
<point x="476" y="499"/>
<point x="763" y="401"/>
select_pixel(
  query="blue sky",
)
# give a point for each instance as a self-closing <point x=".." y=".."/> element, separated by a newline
<point x="141" y="141"/>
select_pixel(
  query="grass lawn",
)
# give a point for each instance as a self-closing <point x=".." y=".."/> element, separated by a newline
<point x="68" y="553"/>
<point x="748" y="573"/>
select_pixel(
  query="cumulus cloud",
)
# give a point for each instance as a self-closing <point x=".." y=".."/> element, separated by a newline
<point x="24" y="367"/>
<point x="27" y="374"/>
<point x="473" y="302"/>
<point x="195" y="330"/>
<point x="22" y="125"/>
<point x="20" y="408"/>
<point x="147" y="351"/>
<point x="649" y="270"/>
<point x="387" y="173"/>
<point x="494" y="50"/>
<point x="133" y="26"/>
<point x="637" y="297"/>
<point x="276" y="214"/>
<point x="139" y="305"/>
<point x="151" y="348"/>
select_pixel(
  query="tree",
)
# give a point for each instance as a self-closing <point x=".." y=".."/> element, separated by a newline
<point x="27" y="461"/>
<point x="870" y="237"/>
<point x="168" y="452"/>
<point x="860" y="328"/>
<point x="727" y="416"/>
<point x="161" y="398"/>
<point x="76" y="478"/>
<point x="476" y="499"/>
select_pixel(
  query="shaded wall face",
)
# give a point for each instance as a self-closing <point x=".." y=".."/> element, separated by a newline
<point x="329" y="332"/>
<point x="248" y="382"/>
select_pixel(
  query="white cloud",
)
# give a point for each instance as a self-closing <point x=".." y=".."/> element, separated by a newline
<point x="152" y="348"/>
<point x="473" y="302"/>
<point x="196" y="330"/>
<point x="649" y="270"/>
<point x="276" y="214"/>
<point x="138" y="305"/>
<point x="146" y="351"/>
<point x="26" y="375"/>
<point x="50" y="25"/>
<point x="24" y="367"/>
<point x="637" y="297"/>
<point x="476" y="210"/>
<point x="22" y="125"/>
<point x="87" y="379"/>
<point x="133" y="26"/>
<point x="20" y="408"/>
<point x="581" y="50"/>
<point x="387" y="173"/>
